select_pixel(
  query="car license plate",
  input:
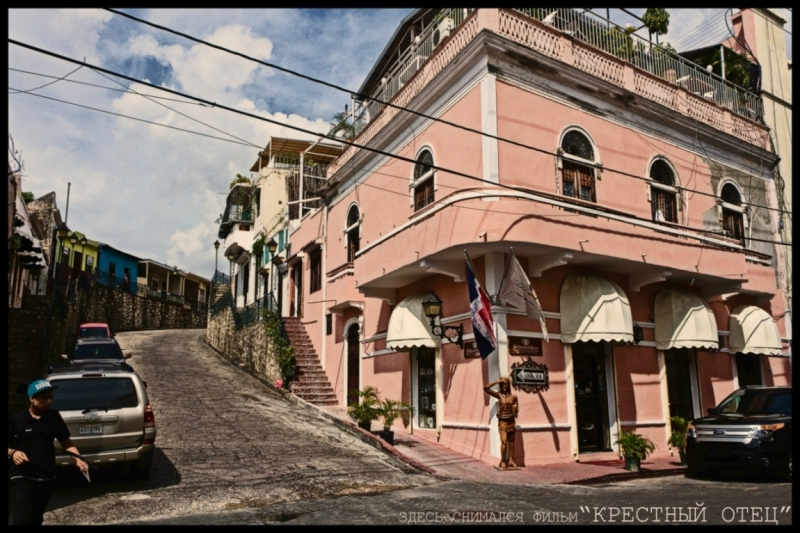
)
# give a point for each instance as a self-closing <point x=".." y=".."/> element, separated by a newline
<point x="91" y="429"/>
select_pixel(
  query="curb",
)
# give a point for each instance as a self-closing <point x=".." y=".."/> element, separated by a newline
<point x="410" y="465"/>
<point x="405" y="463"/>
<point x="627" y="476"/>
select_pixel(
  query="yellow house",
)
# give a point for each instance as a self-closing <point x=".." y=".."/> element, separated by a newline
<point x="78" y="252"/>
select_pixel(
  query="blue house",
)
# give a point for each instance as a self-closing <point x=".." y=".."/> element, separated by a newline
<point x="113" y="265"/>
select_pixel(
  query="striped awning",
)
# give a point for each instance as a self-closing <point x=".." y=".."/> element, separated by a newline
<point x="752" y="330"/>
<point x="409" y="327"/>
<point x="684" y="320"/>
<point x="594" y="309"/>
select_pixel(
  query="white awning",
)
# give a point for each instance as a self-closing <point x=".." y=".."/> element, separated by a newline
<point x="684" y="320"/>
<point x="409" y="327"/>
<point x="752" y="330"/>
<point x="594" y="309"/>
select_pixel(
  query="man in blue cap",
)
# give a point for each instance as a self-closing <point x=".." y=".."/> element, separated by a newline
<point x="32" y="454"/>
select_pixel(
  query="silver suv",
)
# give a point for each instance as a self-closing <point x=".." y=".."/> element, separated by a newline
<point x="106" y="409"/>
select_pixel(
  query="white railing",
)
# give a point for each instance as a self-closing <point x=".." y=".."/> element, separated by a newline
<point x="604" y="35"/>
<point x="415" y="56"/>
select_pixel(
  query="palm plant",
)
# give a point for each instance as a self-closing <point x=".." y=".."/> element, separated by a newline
<point x="366" y="409"/>
<point x="391" y="410"/>
<point x="634" y="445"/>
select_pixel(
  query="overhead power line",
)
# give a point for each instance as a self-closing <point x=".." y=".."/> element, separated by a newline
<point x="388" y="104"/>
<point x="246" y="143"/>
<point x="315" y="133"/>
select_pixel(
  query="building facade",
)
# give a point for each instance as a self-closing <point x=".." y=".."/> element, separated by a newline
<point x="639" y="210"/>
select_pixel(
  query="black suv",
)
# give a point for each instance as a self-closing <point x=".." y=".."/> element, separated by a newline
<point x="750" y="429"/>
<point x="96" y="349"/>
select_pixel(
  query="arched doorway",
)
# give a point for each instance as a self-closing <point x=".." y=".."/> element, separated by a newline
<point x="353" y="367"/>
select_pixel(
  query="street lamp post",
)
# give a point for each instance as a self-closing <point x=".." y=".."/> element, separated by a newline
<point x="271" y="246"/>
<point x="216" y="257"/>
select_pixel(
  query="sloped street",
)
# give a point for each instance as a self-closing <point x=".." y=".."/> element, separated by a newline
<point x="225" y="443"/>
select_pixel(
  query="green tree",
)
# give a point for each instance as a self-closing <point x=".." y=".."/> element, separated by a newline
<point x="240" y="179"/>
<point x="28" y="197"/>
<point x="657" y="20"/>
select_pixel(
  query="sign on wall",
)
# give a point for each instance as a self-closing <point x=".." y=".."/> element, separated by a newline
<point x="471" y="350"/>
<point x="524" y="346"/>
<point x="530" y="376"/>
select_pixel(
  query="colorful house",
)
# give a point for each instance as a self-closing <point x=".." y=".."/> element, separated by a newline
<point x="114" y="265"/>
<point x="635" y="189"/>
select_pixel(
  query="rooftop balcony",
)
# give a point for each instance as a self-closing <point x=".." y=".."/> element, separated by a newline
<point x="582" y="40"/>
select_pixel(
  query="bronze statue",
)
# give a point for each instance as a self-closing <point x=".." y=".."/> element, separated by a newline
<point x="507" y="412"/>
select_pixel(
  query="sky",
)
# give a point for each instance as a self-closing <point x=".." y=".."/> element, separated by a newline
<point x="155" y="191"/>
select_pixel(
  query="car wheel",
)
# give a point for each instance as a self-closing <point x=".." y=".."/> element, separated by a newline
<point x="140" y="469"/>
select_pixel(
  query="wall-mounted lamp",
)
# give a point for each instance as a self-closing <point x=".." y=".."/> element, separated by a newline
<point x="638" y="334"/>
<point x="272" y="246"/>
<point x="432" y="308"/>
<point x="84" y="241"/>
<point x="73" y="239"/>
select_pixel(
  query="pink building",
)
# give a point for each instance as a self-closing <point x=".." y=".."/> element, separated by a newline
<point x="642" y="213"/>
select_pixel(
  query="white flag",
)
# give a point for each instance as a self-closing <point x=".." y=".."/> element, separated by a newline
<point x="517" y="291"/>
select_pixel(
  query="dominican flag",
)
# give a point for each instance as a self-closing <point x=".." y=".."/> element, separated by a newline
<point x="481" y="310"/>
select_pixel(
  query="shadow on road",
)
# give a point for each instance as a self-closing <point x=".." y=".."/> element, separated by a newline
<point x="737" y="476"/>
<point x="71" y="487"/>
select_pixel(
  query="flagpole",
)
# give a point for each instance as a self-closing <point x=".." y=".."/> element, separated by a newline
<point x="505" y="274"/>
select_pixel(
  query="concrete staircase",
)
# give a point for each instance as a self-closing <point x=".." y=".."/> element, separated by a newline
<point x="310" y="383"/>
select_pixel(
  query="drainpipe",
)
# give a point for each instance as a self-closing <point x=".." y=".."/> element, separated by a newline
<point x="323" y="267"/>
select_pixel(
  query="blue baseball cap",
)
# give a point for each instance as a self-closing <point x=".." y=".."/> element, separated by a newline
<point x="40" y="385"/>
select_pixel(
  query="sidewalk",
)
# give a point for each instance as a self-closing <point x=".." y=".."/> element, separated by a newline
<point x="448" y="464"/>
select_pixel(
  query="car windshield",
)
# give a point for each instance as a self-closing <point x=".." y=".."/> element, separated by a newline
<point x="87" y="394"/>
<point x="97" y="351"/>
<point x="750" y="402"/>
<point x="94" y="332"/>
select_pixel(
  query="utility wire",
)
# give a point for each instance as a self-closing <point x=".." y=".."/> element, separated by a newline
<point x="252" y="145"/>
<point x="55" y="81"/>
<point x="388" y="104"/>
<point x="100" y="87"/>
<point x="313" y="133"/>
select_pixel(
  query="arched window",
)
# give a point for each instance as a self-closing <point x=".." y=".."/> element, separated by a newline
<point x="663" y="192"/>
<point x="423" y="180"/>
<point x="577" y="178"/>
<point x="732" y="212"/>
<point x="353" y="231"/>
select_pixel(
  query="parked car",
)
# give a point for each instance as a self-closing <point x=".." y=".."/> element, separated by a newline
<point x="750" y="429"/>
<point x="108" y="413"/>
<point x="96" y="349"/>
<point x="94" y="329"/>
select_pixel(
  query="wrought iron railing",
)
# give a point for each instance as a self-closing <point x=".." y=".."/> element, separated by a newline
<point x="224" y="302"/>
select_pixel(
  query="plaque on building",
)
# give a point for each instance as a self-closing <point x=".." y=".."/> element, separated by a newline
<point x="530" y="376"/>
<point x="471" y="350"/>
<point x="524" y="346"/>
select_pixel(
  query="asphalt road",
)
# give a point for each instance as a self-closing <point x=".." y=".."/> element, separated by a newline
<point x="230" y="451"/>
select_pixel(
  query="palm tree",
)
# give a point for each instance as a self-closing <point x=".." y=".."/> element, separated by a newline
<point x="341" y="125"/>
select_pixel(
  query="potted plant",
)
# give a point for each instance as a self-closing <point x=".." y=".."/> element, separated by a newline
<point x="389" y="411"/>
<point x="677" y="438"/>
<point x="365" y="410"/>
<point x="635" y="448"/>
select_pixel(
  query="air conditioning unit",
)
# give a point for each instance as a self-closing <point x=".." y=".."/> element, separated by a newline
<point x="443" y="30"/>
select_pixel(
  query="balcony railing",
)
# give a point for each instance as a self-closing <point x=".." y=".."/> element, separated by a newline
<point x="600" y="48"/>
<point x="667" y="65"/>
